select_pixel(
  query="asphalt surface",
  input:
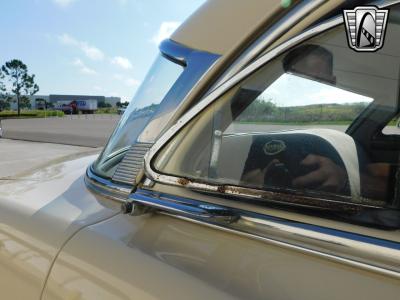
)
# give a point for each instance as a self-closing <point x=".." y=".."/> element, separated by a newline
<point x="82" y="130"/>
<point x="19" y="157"/>
<point x="94" y="130"/>
<point x="31" y="143"/>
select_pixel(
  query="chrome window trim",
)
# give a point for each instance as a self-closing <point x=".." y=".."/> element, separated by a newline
<point x="353" y="249"/>
<point x="275" y="32"/>
<point x="180" y="55"/>
<point x="300" y="11"/>
<point x="154" y="175"/>
<point x="213" y="96"/>
<point x="105" y="187"/>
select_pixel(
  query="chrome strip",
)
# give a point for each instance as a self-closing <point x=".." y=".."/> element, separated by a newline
<point x="185" y="207"/>
<point x="198" y="64"/>
<point x="131" y="165"/>
<point x="288" y="21"/>
<point x="175" y="52"/>
<point x="106" y="188"/>
<point x="213" y="96"/>
<point x="276" y="31"/>
<point x="368" y="253"/>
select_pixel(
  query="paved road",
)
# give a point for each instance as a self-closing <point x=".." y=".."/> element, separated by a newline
<point x="94" y="130"/>
<point x="18" y="157"/>
<point x="82" y="130"/>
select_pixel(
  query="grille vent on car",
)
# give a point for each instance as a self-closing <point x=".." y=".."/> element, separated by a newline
<point x="131" y="164"/>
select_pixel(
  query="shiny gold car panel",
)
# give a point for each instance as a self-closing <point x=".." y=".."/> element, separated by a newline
<point x="159" y="257"/>
<point x="39" y="212"/>
<point x="59" y="240"/>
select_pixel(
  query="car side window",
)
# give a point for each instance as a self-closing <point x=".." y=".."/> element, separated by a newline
<point x="309" y="122"/>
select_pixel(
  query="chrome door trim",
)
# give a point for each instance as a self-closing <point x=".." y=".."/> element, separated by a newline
<point x="356" y="250"/>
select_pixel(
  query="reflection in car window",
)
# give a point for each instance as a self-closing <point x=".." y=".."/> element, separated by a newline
<point x="139" y="113"/>
<point x="308" y="122"/>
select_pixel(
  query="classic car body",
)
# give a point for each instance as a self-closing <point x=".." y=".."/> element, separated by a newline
<point x="200" y="218"/>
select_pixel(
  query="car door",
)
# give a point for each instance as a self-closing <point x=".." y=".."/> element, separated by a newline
<point x="280" y="184"/>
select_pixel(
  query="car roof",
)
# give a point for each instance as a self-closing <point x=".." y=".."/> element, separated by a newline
<point x="220" y="25"/>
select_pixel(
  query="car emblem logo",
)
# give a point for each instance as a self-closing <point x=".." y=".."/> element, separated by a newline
<point x="365" y="26"/>
<point x="274" y="147"/>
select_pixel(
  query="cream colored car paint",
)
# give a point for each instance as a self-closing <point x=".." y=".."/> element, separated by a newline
<point x="39" y="212"/>
<point x="160" y="257"/>
<point x="235" y="20"/>
<point x="154" y="256"/>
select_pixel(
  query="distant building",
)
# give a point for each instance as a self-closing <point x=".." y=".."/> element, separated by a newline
<point x="55" y="98"/>
<point x="113" y="100"/>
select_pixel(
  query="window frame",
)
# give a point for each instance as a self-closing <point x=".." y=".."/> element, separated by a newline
<point x="188" y="58"/>
<point x="339" y="203"/>
<point x="368" y="249"/>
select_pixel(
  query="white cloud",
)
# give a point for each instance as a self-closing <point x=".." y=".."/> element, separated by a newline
<point x="291" y="90"/>
<point x="63" y="3"/>
<point x="118" y="76"/>
<point x="121" y="62"/>
<point x="165" y="31"/>
<point x="68" y="40"/>
<point x="128" y="81"/>
<point x="98" y="88"/>
<point x="83" y="68"/>
<point x="132" y="82"/>
<point x="90" y="51"/>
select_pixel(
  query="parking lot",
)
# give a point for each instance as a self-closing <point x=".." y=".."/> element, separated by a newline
<point x="78" y="130"/>
<point x="30" y="143"/>
<point x="19" y="157"/>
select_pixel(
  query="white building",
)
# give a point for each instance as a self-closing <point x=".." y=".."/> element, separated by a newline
<point x="35" y="99"/>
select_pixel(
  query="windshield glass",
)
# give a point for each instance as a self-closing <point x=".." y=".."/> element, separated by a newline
<point x="143" y="107"/>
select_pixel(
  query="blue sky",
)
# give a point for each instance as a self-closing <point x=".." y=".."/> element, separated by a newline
<point x="291" y="90"/>
<point x="95" y="47"/>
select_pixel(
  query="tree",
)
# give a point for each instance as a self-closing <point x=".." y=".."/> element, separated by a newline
<point x="2" y="86"/>
<point x="103" y="104"/>
<point x="24" y="102"/>
<point x="4" y="99"/>
<point x="23" y="84"/>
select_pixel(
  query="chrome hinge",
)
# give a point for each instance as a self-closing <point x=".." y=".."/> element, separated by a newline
<point x="135" y="209"/>
<point x="142" y="202"/>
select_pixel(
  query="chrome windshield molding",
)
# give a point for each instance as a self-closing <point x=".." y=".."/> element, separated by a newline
<point x="213" y="96"/>
<point x="175" y="52"/>
<point x="360" y="251"/>
<point x="105" y="187"/>
<point x="196" y="64"/>
<point x="264" y="40"/>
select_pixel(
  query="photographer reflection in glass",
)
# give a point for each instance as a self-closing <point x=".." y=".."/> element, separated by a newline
<point x="315" y="171"/>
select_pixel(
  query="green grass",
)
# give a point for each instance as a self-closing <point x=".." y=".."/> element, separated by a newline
<point x="5" y="114"/>
<point x="267" y="112"/>
<point x="107" y="110"/>
<point x="338" y="122"/>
